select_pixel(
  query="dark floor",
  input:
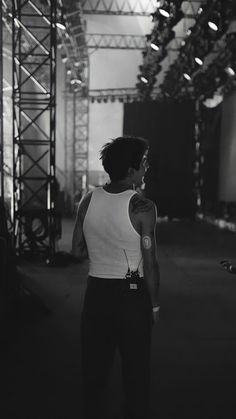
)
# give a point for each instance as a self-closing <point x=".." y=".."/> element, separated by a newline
<point x="194" y="344"/>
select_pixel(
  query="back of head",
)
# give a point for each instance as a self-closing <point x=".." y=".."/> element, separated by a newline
<point x="122" y="153"/>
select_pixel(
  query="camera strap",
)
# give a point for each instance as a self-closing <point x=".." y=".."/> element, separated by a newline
<point x="129" y="270"/>
<point x="132" y="276"/>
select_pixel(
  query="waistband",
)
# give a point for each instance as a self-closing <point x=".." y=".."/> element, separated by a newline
<point x="97" y="278"/>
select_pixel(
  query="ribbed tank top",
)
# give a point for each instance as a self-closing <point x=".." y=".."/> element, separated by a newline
<point x="110" y="235"/>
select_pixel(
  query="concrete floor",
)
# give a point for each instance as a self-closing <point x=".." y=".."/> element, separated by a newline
<point x="194" y="344"/>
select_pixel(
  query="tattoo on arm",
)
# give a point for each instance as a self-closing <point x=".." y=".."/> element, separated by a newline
<point x="140" y="204"/>
<point x="147" y="242"/>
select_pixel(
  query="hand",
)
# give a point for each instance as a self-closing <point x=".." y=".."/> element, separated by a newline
<point x="156" y="316"/>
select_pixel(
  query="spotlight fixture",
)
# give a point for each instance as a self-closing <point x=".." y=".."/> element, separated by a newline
<point x="213" y="22"/>
<point x="187" y="76"/>
<point x="144" y="80"/>
<point x="164" y="12"/>
<point x="61" y="22"/>
<point x="64" y="58"/>
<point x="198" y="60"/>
<point x="75" y="81"/>
<point x="154" y="46"/>
<point x="230" y="71"/>
<point x="213" y="26"/>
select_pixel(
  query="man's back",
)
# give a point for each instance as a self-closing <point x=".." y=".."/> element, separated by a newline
<point x="112" y="241"/>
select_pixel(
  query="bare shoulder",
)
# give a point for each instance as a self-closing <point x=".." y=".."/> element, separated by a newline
<point x="141" y="205"/>
<point x="84" y="203"/>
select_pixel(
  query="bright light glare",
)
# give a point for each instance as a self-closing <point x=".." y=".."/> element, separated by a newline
<point x="187" y="76"/>
<point x="75" y="81"/>
<point x="198" y="61"/>
<point x="213" y="26"/>
<point x="61" y="26"/>
<point x="230" y="71"/>
<point x="164" y="13"/>
<point x="143" y="79"/>
<point x="154" y="46"/>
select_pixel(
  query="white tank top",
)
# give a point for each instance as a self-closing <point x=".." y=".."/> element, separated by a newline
<point x="110" y="235"/>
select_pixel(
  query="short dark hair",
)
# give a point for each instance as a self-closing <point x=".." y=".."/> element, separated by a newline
<point x="120" y="154"/>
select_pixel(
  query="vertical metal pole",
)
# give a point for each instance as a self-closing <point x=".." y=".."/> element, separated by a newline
<point x="66" y="142"/>
<point x="198" y="162"/>
<point x="74" y="147"/>
<point x="1" y="110"/>
<point x="52" y="184"/>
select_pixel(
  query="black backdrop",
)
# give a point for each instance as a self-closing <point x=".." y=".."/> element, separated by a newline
<point x="211" y="149"/>
<point x="169" y="127"/>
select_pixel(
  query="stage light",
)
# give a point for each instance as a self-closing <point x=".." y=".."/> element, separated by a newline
<point x="64" y="58"/>
<point x="75" y="81"/>
<point x="61" y="22"/>
<point x="187" y="76"/>
<point x="61" y="25"/>
<point x="213" y="26"/>
<point x="154" y="46"/>
<point x="164" y="12"/>
<point x="213" y="22"/>
<point x="68" y="71"/>
<point x="230" y="71"/>
<point x="144" y="80"/>
<point x="200" y="10"/>
<point x="198" y="60"/>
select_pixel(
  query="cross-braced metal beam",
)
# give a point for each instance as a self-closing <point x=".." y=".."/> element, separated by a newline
<point x="116" y="41"/>
<point x="76" y="146"/>
<point x="34" y="91"/>
<point x="129" y="94"/>
<point x="76" y="110"/>
<point x="116" y="7"/>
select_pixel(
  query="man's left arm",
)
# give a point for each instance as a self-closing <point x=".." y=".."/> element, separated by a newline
<point x="79" y="248"/>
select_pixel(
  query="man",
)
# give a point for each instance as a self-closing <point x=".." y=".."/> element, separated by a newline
<point x="115" y="226"/>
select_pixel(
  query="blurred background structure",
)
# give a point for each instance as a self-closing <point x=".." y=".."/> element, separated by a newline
<point x="76" y="73"/>
<point x="73" y="75"/>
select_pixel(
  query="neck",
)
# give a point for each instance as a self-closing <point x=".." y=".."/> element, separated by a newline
<point x="121" y="185"/>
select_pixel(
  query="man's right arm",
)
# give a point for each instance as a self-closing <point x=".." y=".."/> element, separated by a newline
<point x="147" y="215"/>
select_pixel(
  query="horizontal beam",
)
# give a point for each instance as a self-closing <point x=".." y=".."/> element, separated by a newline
<point x="115" y="41"/>
<point x="116" y="7"/>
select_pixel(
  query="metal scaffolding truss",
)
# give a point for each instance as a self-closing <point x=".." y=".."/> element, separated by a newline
<point x="76" y="106"/>
<point x="129" y="94"/>
<point x="34" y="91"/>
<point x="116" y="7"/>
<point x="115" y="41"/>
<point x="76" y="144"/>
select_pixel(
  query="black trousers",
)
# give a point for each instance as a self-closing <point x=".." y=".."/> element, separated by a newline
<point x="115" y="317"/>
